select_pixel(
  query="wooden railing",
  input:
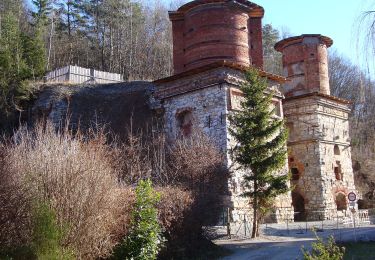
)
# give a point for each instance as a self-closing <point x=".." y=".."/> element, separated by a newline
<point x="78" y="75"/>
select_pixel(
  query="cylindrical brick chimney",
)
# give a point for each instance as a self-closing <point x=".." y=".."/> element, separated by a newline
<point x="206" y="31"/>
<point x="305" y="64"/>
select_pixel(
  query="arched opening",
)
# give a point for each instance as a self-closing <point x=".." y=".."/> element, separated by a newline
<point x="295" y="174"/>
<point x="336" y="150"/>
<point x="185" y="122"/>
<point x="298" y="203"/>
<point x="341" y="202"/>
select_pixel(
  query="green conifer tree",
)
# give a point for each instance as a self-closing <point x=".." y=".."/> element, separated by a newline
<point x="261" y="146"/>
<point x="145" y="239"/>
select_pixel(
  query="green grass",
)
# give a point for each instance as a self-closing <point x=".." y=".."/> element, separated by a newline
<point x="359" y="251"/>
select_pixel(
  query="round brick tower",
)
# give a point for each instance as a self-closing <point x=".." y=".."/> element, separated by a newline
<point x="305" y="64"/>
<point x="206" y="31"/>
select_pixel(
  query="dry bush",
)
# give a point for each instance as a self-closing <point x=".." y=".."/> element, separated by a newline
<point x="196" y="166"/>
<point x="76" y="175"/>
<point x="195" y="161"/>
<point x="15" y="203"/>
<point x="193" y="164"/>
<point x="144" y="156"/>
<point x="173" y="207"/>
<point x="200" y="168"/>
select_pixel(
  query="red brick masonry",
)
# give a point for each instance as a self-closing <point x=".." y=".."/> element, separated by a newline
<point x="207" y="31"/>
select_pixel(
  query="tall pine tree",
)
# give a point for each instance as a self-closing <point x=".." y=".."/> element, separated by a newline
<point x="261" y="146"/>
<point x="22" y="58"/>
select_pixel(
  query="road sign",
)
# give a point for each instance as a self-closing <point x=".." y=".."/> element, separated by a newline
<point x="352" y="196"/>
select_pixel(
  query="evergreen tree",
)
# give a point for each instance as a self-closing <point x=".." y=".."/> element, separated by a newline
<point x="22" y="57"/>
<point x="13" y="69"/>
<point x="261" y="146"/>
<point x="272" y="58"/>
<point x="42" y="10"/>
<point x="144" y="240"/>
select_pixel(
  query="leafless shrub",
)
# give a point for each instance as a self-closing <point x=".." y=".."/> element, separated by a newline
<point x="76" y="175"/>
<point x="15" y="202"/>
<point x="195" y="160"/>
<point x="136" y="159"/>
<point x="173" y="207"/>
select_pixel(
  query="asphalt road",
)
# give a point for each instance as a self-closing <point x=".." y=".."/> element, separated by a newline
<point x="288" y="246"/>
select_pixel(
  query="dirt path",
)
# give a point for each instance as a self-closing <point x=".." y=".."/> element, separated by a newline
<point x="288" y="246"/>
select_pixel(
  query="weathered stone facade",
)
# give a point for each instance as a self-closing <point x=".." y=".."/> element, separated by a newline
<point x="203" y="101"/>
<point x="319" y="142"/>
<point x="319" y="153"/>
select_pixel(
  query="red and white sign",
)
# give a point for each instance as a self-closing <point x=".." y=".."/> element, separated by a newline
<point x="352" y="196"/>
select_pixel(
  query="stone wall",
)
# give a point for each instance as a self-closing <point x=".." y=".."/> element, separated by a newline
<point x="203" y="101"/>
<point x="319" y="153"/>
<point x="208" y="110"/>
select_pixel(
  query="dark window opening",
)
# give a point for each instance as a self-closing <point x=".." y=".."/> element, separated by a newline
<point x="295" y="174"/>
<point x="341" y="202"/>
<point x="336" y="150"/>
<point x="184" y="122"/>
<point x="298" y="203"/>
<point x="337" y="171"/>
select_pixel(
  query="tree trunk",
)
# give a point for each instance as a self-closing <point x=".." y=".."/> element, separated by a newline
<point x="50" y="42"/>
<point x="254" y="232"/>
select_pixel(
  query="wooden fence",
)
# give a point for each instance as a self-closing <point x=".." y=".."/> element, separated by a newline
<point x="78" y="75"/>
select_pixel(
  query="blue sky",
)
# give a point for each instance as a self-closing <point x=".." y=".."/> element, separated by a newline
<point x="338" y="19"/>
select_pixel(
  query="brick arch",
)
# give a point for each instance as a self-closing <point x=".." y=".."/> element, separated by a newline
<point x="341" y="201"/>
<point x="340" y="189"/>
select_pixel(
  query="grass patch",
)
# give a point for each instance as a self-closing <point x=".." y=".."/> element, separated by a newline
<point x="359" y="251"/>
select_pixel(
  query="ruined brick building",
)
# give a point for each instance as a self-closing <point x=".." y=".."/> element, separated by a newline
<point x="214" y="42"/>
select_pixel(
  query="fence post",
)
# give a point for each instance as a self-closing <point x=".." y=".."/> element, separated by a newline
<point x="228" y="224"/>
<point x="244" y="223"/>
<point x="355" y="231"/>
<point x="287" y="222"/>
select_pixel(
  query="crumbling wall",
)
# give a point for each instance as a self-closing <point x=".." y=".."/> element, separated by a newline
<point x="319" y="152"/>
<point x="115" y="106"/>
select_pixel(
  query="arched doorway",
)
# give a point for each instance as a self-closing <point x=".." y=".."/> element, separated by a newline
<point x="341" y="202"/>
<point x="298" y="203"/>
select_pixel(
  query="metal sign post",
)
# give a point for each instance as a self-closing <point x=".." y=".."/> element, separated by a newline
<point x="352" y="197"/>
